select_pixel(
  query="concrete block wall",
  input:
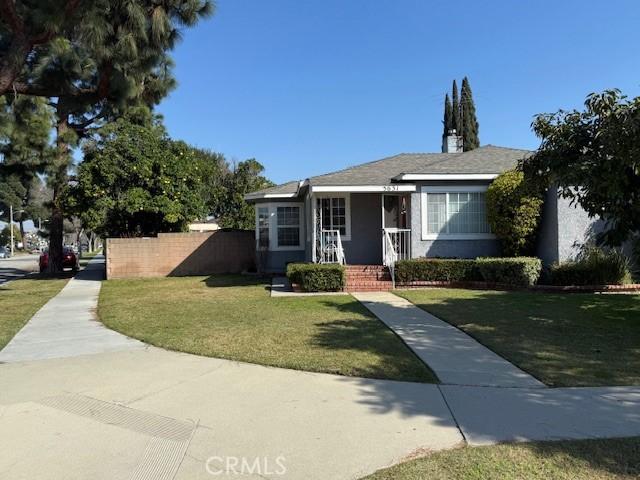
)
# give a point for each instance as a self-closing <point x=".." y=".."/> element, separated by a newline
<point x="181" y="254"/>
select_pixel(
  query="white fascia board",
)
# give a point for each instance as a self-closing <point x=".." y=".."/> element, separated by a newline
<point x="446" y="176"/>
<point x="363" y="188"/>
<point x="258" y="196"/>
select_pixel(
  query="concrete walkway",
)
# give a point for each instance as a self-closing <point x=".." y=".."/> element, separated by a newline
<point x="66" y="326"/>
<point x="152" y="414"/>
<point x="455" y="357"/>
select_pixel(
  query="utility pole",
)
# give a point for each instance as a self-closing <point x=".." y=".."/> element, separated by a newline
<point x="11" y="226"/>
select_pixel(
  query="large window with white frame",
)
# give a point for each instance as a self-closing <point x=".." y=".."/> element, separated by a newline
<point x="454" y="213"/>
<point x="335" y="213"/>
<point x="279" y="226"/>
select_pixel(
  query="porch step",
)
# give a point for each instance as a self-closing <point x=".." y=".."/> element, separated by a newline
<point x="368" y="278"/>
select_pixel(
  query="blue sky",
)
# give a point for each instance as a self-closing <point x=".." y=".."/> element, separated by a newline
<point x="308" y="87"/>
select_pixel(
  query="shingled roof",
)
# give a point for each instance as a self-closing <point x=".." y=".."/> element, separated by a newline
<point x="487" y="159"/>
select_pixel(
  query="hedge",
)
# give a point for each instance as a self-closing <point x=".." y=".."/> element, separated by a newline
<point x="436" y="269"/>
<point x="518" y="271"/>
<point x="317" y="277"/>
<point x="595" y="267"/>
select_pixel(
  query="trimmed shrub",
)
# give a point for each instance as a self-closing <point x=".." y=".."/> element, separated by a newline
<point x="593" y="267"/>
<point x="436" y="269"/>
<point x="518" y="271"/>
<point x="317" y="277"/>
<point x="513" y="211"/>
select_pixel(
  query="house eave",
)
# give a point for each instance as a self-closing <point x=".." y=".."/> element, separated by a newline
<point x="362" y="188"/>
<point x="444" y="176"/>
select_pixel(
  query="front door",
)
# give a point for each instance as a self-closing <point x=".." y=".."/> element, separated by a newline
<point x="396" y="231"/>
<point x="395" y="211"/>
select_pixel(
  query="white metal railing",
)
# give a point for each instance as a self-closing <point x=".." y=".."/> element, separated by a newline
<point x="389" y="255"/>
<point x="396" y="246"/>
<point x="330" y="247"/>
<point x="400" y="239"/>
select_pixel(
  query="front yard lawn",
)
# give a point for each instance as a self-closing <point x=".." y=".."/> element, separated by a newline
<point x="234" y="317"/>
<point x="563" y="339"/>
<point x="567" y="460"/>
<point x="21" y="299"/>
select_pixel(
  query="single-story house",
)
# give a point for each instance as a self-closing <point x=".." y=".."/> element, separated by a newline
<point x="406" y="206"/>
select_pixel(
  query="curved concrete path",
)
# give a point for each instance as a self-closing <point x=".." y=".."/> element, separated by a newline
<point x="455" y="357"/>
<point x="67" y="326"/>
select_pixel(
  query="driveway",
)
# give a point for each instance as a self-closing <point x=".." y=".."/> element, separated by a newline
<point x="16" y="267"/>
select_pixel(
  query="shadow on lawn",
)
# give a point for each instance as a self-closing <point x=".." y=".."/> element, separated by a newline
<point x="365" y="333"/>
<point x="563" y="339"/>
<point x="617" y="456"/>
<point x="235" y="280"/>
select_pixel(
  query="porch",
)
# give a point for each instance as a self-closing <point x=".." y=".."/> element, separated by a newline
<point x="360" y="228"/>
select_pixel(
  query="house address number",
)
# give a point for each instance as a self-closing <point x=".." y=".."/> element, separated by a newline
<point x="391" y="188"/>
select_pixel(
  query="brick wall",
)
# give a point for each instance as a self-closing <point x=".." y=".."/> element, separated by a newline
<point x="181" y="254"/>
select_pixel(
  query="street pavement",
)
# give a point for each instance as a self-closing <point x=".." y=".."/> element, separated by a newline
<point x="17" y="266"/>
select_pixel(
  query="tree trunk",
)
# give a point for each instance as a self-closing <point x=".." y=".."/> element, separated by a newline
<point x="59" y="180"/>
<point x="11" y="64"/>
<point x="21" y="223"/>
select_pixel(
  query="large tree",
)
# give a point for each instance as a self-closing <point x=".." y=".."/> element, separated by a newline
<point x="593" y="156"/>
<point x="470" y="128"/>
<point x="25" y="150"/>
<point x="93" y="68"/>
<point x="447" y="121"/>
<point x="247" y="177"/>
<point x="455" y="107"/>
<point x="135" y="181"/>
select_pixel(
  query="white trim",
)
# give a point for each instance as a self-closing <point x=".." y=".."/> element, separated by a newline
<point x="273" y="225"/>
<point x="446" y="176"/>
<point x="363" y="188"/>
<point x="258" y="196"/>
<point x="347" y="208"/>
<point x="449" y="236"/>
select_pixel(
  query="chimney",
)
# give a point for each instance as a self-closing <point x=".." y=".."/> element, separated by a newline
<point x="452" y="143"/>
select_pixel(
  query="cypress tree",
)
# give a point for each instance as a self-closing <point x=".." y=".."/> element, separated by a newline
<point x="469" y="122"/>
<point x="448" y="116"/>
<point x="456" y="120"/>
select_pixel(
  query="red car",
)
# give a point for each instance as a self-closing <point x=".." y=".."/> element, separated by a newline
<point x="69" y="260"/>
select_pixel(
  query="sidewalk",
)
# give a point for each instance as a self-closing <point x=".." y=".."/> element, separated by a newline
<point x="66" y="325"/>
<point x="455" y="357"/>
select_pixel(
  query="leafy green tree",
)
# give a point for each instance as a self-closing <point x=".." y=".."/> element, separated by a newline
<point x="455" y="107"/>
<point x="513" y="211"/>
<point x="5" y="235"/>
<point x="93" y="66"/>
<point x="25" y="150"/>
<point x="447" y="121"/>
<point x="247" y="177"/>
<point x="134" y="181"/>
<point x="469" y="129"/>
<point x="593" y="156"/>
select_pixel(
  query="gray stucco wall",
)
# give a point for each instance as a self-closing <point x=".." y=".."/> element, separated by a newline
<point x="445" y="248"/>
<point x="564" y="228"/>
<point x="547" y="241"/>
<point x="276" y="261"/>
<point x="574" y="229"/>
<point x="365" y="246"/>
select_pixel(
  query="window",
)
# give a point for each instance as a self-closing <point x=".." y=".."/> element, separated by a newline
<point x="334" y="214"/>
<point x="263" y="227"/>
<point x="288" y="225"/>
<point x="279" y="226"/>
<point x="453" y="213"/>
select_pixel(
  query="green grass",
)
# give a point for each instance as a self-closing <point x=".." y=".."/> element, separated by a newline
<point x="20" y="299"/>
<point x="567" y="460"/>
<point x="234" y="317"/>
<point x="562" y="339"/>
